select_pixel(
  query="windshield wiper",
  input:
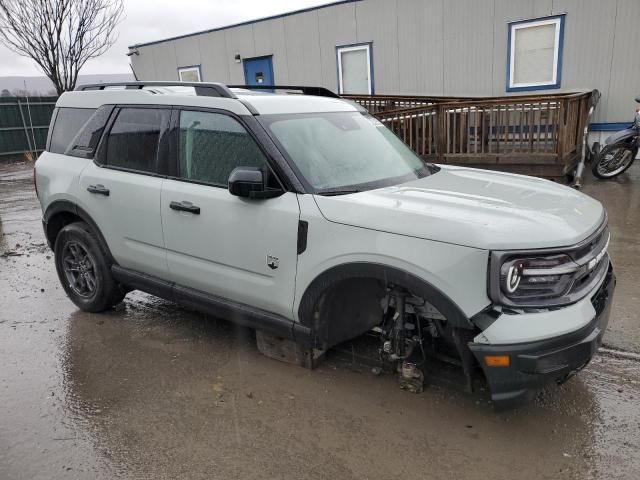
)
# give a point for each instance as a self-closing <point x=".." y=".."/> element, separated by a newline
<point x="339" y="191"/>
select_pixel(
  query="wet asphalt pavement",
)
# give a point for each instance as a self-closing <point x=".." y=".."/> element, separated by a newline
<point x="151" y="390"/>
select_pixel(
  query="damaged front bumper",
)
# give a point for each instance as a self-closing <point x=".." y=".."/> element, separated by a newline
<point x="535" y="364"/>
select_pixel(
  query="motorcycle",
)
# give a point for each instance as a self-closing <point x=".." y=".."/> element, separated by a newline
<point x="619" y="152"/>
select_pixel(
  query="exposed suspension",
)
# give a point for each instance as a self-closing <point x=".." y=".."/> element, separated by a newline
<point x="401" y="335"/>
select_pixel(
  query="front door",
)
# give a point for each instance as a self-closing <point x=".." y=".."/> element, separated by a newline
<point x="237" y="248"/>
<point x="258" y="71"/>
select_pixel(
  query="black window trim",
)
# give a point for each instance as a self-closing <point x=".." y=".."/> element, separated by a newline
<point x="52" y="124"/>
<point x="174" y="159"/>
<point x="281" y="166"/>
<point x="101" y="150"/>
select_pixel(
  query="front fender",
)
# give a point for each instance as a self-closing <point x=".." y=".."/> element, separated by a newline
<point x="622" y="136"/>
<point x="387" y="275"/>
<point x="453" y="278"/>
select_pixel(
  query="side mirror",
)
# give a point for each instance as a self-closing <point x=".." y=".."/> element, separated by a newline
<point x="248" y="182"/>
<point x="638" y="99"/>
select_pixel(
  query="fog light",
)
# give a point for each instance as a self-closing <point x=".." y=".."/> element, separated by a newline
<point x="497" y="360"/>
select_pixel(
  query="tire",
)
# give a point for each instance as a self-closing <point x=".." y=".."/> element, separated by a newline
<point x="607" y="154"/>
<point x="83" y="270"/>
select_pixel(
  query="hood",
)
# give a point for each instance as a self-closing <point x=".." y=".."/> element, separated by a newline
<point x="476" y="208"/>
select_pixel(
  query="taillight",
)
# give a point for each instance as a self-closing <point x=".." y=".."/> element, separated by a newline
<point x="35" y="184"/>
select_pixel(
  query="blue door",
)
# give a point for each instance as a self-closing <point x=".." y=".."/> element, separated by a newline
<point x="258" y="71"/>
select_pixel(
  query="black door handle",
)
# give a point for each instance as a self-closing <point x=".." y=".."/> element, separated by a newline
<point x="185" y="207"/>
<point x="99" y="189"/>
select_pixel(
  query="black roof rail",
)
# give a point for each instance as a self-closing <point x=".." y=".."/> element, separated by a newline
<point x="203" y="89"/>
<point x="317" y="91"/>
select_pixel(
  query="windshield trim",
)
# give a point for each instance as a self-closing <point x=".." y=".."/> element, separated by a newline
<point x="265" y="120"/>
<point x="426" y="170"/>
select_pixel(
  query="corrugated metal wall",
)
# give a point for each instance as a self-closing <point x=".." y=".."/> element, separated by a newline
<point x="24" y="123"/>
<point x="429" y="47"/>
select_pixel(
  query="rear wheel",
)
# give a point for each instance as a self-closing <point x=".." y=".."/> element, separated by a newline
<point x="83" y="269"/>
<point x="613" y="160"/>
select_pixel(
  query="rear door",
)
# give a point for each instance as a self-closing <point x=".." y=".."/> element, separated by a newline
<point x="121" y="189"/>
<point x="241" y="249"/>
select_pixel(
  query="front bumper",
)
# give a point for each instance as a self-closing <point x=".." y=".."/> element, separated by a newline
<point x="535" y="364"/>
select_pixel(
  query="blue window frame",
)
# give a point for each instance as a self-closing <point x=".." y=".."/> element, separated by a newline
<point x="534" y="54"/>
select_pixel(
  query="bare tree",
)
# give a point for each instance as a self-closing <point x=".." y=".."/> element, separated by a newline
<point x="60" y="35"/>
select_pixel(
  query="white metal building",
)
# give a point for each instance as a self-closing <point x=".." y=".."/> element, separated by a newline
<point x="425" y="47"/>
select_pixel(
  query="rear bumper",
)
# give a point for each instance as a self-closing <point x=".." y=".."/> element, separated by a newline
<point x="535" y="364"/>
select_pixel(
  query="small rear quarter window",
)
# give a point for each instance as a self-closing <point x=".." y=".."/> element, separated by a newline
<point x="68" y="123"/>
<point x="84" y="144"/>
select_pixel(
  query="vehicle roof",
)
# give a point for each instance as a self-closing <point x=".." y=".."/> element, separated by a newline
<point x="276" y="103"/>
<point x="262" y="103"/>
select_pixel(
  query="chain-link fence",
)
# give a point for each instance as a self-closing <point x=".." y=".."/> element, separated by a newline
<point x="24" y="122"/>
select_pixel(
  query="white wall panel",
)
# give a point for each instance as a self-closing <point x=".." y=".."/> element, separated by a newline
<point x="438" y="47"/>
<point x="213" y="57"/>
<point x="377" y="22"/>
<point x="303" y="48"/>
<point x="336" y="26"/>
<point x="420" y="47"/>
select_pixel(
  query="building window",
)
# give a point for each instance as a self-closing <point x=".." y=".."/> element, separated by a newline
<point x="355" y="69"/>
<point x="534" y="59"/>
<point x="190" y="74"/>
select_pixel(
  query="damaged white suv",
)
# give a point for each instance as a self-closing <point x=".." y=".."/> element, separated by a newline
<point x="305" y="218"/>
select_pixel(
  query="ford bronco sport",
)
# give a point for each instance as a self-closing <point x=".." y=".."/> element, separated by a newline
<point x="304" y="217"/>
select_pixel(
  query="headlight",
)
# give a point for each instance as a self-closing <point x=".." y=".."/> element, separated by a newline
<point x="636" y="119"/>
<point x="537" y="277"/>
<point x="550" y="277"/>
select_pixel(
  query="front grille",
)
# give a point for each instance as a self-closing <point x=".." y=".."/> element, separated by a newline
<point x="591" y="244"/>
<point x="600" y="299"/>
<point x="594" y="259"/>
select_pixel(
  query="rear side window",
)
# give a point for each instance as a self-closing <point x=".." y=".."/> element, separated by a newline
<point x="133" y="140"/>
<point x="86" y="141"/>
<point x="68" y="123"/>
<point x="211" y="145"/>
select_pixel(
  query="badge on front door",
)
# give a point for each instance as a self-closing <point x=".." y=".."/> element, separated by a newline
<point x="272" y="262"/>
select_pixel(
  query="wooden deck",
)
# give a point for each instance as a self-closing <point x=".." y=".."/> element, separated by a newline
<point x="531" y="134"/>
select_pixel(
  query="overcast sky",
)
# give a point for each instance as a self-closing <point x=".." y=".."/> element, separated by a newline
<point x="148" y="20"/>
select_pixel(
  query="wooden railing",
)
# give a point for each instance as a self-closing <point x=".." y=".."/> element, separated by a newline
<point x="532" y="134"/>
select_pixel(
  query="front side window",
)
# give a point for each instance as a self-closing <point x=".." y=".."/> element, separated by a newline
<point x="211" y="145"/>
<point x="535" y="52"/>
<point x="344" y="151"/>
<point x="68" y="122"/>
<point x="134" y="138"/>
<point x="354" y="69"/>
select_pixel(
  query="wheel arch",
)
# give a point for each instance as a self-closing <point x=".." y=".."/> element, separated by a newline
<point x="356" y="277"/>
<point x="63" y="212"/>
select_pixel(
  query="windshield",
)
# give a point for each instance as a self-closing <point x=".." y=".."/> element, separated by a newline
<point x="343" y="152"/>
